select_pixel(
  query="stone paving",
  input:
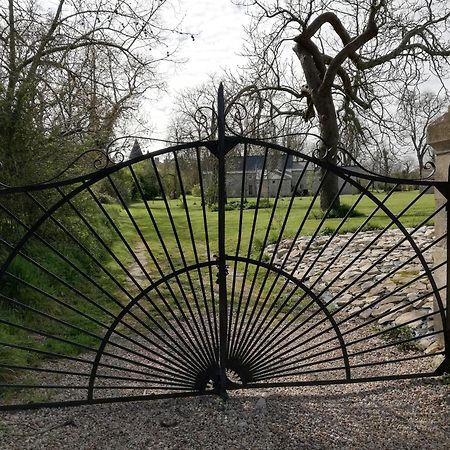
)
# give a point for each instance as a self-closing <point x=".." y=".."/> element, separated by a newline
<point x="375" y="275"/>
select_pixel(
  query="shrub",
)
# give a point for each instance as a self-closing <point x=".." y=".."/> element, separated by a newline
<point x="338" y="213"/>
<point x="236" y="205"/>
<point x="342" y="210"/>
<point x="196" y="191"/>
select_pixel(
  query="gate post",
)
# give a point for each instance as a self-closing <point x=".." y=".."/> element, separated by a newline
<point x="438" y="137"/>
<point x="446" y="325"/>
<point x="222" y="278"/>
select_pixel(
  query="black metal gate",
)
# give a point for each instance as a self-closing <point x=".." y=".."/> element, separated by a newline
<point x="245" y="283"/>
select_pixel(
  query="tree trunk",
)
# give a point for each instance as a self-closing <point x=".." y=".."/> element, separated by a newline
<point x="329" y="131"/>
<point x="421" y="164"/>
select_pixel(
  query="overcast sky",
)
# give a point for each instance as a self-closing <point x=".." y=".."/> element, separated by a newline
<point x="219" y="34"/>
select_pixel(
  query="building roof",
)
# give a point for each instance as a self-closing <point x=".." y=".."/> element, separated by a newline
<point x="136" y="150"/>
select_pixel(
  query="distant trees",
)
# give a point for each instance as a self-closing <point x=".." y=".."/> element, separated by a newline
<point x="415" y="112"/>
<point x="261" y="113"/>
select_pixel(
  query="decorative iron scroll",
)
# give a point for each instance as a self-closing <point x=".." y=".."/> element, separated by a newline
<point x="100" y="158"/>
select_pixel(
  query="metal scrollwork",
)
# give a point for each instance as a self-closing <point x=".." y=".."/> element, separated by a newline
<point x="103" y="158"/>
<point x="113" y="153"/>
<point x="331" y="154"/>
<point x="429" y="166"/>
<point x="238" y="113"/>
<point x="206" y="118"/>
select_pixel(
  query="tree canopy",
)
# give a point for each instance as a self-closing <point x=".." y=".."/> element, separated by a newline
<point x="70" y="73"/>
<point x="355" y="58"/>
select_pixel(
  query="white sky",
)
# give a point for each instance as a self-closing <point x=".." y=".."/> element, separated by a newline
<point x="219" y="34"/>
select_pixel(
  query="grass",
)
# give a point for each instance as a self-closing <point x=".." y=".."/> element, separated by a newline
<point x="263" y="233"/>
<point x="34" y="298"/>
<point x="178" y="245"/>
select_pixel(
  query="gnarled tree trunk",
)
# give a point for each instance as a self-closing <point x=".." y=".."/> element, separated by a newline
<point x="329" y="131"/>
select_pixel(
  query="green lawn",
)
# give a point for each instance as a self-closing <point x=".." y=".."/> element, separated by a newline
<point x="419" y="212"/>
<point x="263" y="234"/>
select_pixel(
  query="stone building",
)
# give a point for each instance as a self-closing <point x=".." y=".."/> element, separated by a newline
<point x="273" y="176"/>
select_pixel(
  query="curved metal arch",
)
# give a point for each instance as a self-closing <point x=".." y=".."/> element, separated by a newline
<point x="91" y="179"/>
<point x="126" y="310"/>
<point x="230" y="142"/>
<point x="441" y="185"/>
<point x="214" y="368"/>
<point x="313" y="296"/>
<point x="141" y="296"/>
<point x="348" y="175"/>
<point x="97" y="175"/>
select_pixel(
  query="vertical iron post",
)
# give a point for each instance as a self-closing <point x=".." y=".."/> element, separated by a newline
<point x="446" y="325"/>
<point x="223" y="338"/>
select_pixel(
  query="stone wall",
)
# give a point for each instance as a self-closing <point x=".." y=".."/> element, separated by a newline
<point x="438" y="136"/>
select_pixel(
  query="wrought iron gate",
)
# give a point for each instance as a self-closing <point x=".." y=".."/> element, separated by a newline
<point x="258" y="289"/>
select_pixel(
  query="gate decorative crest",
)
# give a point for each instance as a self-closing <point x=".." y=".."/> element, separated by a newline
<point x="261" y="289"/>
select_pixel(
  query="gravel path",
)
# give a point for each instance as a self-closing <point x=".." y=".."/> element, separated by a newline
<point x="386" y="415"/>
<point x="402" y="414"/>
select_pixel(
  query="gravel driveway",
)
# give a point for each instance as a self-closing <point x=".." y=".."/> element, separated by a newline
<point x="396" y="414"/>
<point x="413" y="414"/>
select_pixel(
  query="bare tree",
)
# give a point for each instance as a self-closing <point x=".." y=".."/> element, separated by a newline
<point x="71" y="73"/>
<point x="415" y="112"/>
<point x="354" y="54"/>
<point x="250" y="111"/>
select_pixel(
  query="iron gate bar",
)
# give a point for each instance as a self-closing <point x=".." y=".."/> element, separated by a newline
<point x="104" y="310"/>
<point x="278" y="295"/>
<point x="221" y="261"/>
<point x="131" y="277"/>
<point x="238" y="243"/>
<point x="194" y="247"/>
<point x="263" y="246"/>
<point x="208" y="253"/>
<point x="348" y="265"/>
<point x="274" y="344"/>
<point x="236" y="334"/>
<point x="299" y="230"/>
<point x="174" y="337"/>
<point x="126" y="310"/>
<point x="208" y="361"/>
<point x="135" y="282"/>
<point x="201" y="348"/>
<point x="203" y="344"/>
<point x="445" y="366"/>
<point x="314" y="298"/>
<point x="169" y="259"/>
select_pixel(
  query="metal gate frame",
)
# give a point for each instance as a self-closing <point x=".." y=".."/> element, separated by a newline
<point x="224" y="360"/>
